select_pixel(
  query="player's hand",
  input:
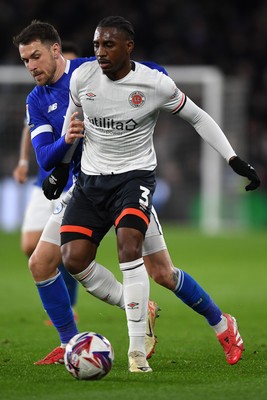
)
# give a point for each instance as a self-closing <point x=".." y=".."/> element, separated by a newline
<point x="244" y="169"/>
<point x="75" y="129"/>
<point x="55" y="182"/>
<point x="20" y="173"/>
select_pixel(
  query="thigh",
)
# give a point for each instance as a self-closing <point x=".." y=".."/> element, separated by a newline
<point x="51" y="232"/>
<point x="29" y="240"/>
<point x="132" y="202"/>
<point x="84" y="218"/>
<point x="136" y="190"/>
<point x="37" y="212"/>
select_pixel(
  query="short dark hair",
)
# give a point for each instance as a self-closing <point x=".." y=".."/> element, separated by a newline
<point x="37" y="30"/>
<point x="120" y="23"/>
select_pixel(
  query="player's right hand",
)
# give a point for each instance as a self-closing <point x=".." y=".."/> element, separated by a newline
<point x="55" y="182"/>
<point x="75" y="129"/>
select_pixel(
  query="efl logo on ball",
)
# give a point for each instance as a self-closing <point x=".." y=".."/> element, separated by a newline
<point x="89" y="356"/>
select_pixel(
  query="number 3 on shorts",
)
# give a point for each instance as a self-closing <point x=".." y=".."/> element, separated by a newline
<point x="144" y="196"/>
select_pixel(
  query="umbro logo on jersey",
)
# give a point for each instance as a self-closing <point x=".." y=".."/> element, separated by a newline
<point x="90" y="96"/>
<point x="52" y="107"/>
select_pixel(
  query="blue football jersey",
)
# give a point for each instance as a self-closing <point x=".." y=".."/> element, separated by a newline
<point x="45" y="109"/>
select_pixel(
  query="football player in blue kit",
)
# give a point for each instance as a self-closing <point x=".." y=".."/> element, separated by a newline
<point x="39" y="208"/>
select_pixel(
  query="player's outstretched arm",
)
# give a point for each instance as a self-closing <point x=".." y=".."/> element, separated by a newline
<point x="209" y="130"/>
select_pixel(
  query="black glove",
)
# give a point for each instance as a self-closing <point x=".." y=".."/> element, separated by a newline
<point x="55" y="182"/>
<point x="244" y="169"/>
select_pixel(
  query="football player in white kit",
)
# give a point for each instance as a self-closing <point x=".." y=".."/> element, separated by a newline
<point x="120" y="100"/>
<point x="40" y="49"/>
<point x="100" y="281"/>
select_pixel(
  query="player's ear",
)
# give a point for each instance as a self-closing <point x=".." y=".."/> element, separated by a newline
<point x="130" y="46"/>
<point x="56" y="50"/>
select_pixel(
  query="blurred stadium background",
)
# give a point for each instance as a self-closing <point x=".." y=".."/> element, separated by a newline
<point x="228" y="37"/>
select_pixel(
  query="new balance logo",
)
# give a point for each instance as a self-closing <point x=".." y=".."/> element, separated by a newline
<point x="52" y="107"/>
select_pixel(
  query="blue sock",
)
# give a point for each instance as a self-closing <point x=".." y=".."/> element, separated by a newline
<point x="56" y="302"/>
<point x="192" y="294"/>
<point x="71" y="283"/>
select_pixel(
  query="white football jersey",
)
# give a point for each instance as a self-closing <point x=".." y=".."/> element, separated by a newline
<point x="120" y="116"/>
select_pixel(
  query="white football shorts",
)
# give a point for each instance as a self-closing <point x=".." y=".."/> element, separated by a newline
<point x="38" y="211"/>
<point x="154" y="240"/>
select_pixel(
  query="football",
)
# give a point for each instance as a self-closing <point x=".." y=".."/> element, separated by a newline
<point x="89" y="356"/>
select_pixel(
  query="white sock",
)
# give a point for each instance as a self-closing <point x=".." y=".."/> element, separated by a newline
<point x="136" y="294"/>
<point x="221" y="326"/>
<point x="137" y="344"/>
<point x="101" y="283"/>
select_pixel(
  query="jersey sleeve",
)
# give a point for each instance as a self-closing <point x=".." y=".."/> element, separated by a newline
<point x="177" y="103"/>
<point x="74" y="106"/>
<point x="207" y="128"/>
<point x="74" y="102"/>
<point x="172" y="98"/>
<point x="49" y="152"/>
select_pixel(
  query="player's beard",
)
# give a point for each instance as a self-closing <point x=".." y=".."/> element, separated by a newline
<point x="49" y="74"/>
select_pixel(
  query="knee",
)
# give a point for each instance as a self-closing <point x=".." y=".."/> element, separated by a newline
<point x="33" y="266"/>
<point x="130" y="243"/>
<point x="39" y="269"/>
<point x="43" y="264"/>
<point x="75" y="256"/>
<point x="129" y="253"/>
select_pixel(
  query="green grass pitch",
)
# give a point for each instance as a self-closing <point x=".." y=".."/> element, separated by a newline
<point x="188" y="362"/>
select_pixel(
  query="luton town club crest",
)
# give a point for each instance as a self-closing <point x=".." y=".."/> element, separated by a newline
<point x="137" y="99"/>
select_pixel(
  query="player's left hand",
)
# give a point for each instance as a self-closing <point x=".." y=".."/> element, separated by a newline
<point x="244" y="169"/>
<point x="55" y="182"/>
